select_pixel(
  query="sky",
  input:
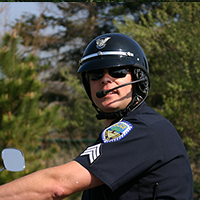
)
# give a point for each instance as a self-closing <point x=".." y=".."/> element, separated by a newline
<point x="13" y="10"/>
<point x="18" y="8"/>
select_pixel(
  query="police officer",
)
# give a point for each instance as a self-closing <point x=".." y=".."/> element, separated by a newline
<point x="138" y="155"/>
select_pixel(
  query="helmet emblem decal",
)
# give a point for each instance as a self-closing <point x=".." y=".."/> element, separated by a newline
<point x="101" y="43"/>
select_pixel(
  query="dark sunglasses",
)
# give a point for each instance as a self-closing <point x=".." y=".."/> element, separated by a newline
<point x="115" y="72"/>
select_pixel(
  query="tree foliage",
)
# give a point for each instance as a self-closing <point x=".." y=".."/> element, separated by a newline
<point x="23" y="123"/>
<point x="73" y="25"/>
<point x="168" y="33"/>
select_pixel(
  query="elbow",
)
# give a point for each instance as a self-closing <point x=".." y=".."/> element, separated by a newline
<point x="60" y="193"/>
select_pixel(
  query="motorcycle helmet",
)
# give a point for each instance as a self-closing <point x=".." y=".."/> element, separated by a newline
<point x="116" y="50"/>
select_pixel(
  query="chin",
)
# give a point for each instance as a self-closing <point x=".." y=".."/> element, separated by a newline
<point x="110" y="109"/>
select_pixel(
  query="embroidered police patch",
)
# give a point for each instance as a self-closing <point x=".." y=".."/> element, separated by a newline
<point x="116" y="132"/>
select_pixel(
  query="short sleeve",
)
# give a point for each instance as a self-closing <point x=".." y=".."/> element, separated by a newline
<point x="121" y="156"/>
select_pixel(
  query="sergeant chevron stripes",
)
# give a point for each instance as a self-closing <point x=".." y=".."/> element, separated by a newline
<point x="94" y="152"/>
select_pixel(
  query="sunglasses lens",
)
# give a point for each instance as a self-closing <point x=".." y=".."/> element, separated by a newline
<point x="95" y="74"/>
<point x="118" y="72"/>
<point x="115" y="72"/>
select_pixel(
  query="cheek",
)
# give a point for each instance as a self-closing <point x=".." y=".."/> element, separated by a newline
<point x="92" y="93"/>
<point x="93" y="90"/>
<point x="126" y="90"/>
<point x="125" y="80"/>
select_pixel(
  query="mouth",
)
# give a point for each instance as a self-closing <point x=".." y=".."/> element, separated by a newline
<point x="113" y="92"/>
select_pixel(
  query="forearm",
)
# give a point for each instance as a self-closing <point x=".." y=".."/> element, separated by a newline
<point x="50" y="184"/>
<point x="38" y="185"/>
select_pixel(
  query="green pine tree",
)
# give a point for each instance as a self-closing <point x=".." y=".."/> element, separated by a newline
<point x="23" y="123"/>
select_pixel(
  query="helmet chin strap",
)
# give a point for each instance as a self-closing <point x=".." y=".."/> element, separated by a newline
<point x="136" y="102"/>
<point x="114" y="115"/>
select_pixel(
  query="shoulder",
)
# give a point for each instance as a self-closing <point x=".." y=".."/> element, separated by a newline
<point x="144" y="115"/>
<point x="146" y="120"/>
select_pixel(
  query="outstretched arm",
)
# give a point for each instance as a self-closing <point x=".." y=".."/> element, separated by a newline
<point x="51" y="183"/>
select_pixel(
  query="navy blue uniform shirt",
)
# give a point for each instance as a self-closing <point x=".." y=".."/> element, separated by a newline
<point x="139" y="157"/>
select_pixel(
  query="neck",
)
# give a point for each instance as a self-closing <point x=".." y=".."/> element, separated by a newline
<point x="108" y="122"/>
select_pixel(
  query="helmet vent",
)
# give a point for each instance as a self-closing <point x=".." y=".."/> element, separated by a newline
<point x="143" y="86"/>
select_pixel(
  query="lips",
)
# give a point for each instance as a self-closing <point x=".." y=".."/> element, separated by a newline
<point x="113" y="92"/>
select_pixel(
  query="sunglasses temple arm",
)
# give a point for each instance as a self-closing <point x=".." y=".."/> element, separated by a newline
<point x="103" y="93"/>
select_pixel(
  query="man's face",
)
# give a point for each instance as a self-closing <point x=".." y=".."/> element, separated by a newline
<point x="115" y="100"/>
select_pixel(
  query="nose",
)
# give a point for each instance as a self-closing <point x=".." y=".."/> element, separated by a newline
<point x="106" y="78"/>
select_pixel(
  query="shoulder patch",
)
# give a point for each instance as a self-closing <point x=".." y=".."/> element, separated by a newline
<point x="116" y="132"/>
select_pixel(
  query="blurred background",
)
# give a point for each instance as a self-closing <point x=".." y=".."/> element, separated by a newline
<point x="44" y="110"/>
